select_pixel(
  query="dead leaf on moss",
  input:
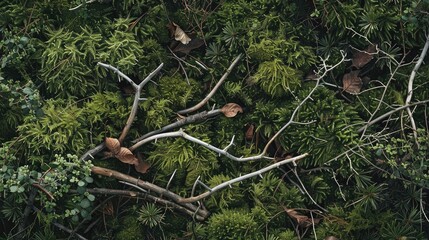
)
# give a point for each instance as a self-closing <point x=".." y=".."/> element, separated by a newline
<point x="331" y="238"/>
<point x="361" y="58"/>
<point x="113" y="145"/>
<point x="186" y="48"/>
<point x="352" y="83"/>
<point x="142" y="166"/>
<point x="250" y="131"/>
<point x="179" y="34"/>
<point x="300" y="219"/>
<point x="126" y="156"/>
<point x="231" y="109"/>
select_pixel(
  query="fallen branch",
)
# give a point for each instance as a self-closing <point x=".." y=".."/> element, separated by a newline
<point x="242" y="178"/>
<point x="378" y="119"/>
<point x="186" y="136"/>
<point x="184" y="121"/>
<point x="146" y="196"/>
<point x="148" y="186"/>
<point x="137" y="98"/>
<point x="213" y="91"/>
<point x="325" y="69"/>
<point x="410" y="88"/>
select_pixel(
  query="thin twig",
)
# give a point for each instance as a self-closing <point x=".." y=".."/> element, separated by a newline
<point x="295" y="112"/>
<point x="378" y="119"/>
<point x="213" y="91"/>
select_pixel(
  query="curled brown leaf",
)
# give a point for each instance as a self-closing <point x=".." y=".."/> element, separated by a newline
<point x="180" y="35"/>
<point x="231" y="109"/>
<point x="126" y="156"/>
<point x="300" y="219"/>
<point x="113" y="145"/>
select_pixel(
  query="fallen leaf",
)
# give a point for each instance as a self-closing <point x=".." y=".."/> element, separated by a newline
<point x="331" y="238"/>
<point x="301" y="220"/>
<point x="108" y="208"/>
<point x="187" y="48"/>
<point x="113" y="145"/>
<point x="250" y="131"/>
<point x="142" y="166"/>
<point x="126" y="156"/>
<point x="352" y="83"/>
<point x="231" y="109"/>
<point x="180" y="35"/>
<point x="361" y="58"/>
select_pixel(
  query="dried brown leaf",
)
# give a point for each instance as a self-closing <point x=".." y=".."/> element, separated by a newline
<point x="171" y="28"/>
<point x="142" y="166"/>
<point x="231" y="109"/>
<point x="352" y="83"/>
<point x="300" y="219"/>
<point x="187" y="48"/>
<point x="331" y="238"/>
<point x="180" y="35"/>
<point x="126" y="156"/>
<point x="250" y="131"/>
<point x="361" y="58"/>
<point x="108" y="208"/>
<point x="113" y="145"/>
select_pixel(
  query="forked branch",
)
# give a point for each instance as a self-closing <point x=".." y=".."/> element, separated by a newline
<point x="138" y="88"/>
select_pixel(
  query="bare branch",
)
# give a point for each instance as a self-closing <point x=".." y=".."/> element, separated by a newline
<point x="80" y="5"/>
<point x="148" y="186"/>
<point x="242" y="178"/>
<point x="160" y="201"/>
<point x="181" y="133"/>
<point x="325" y="69"/>
<point x="213" y="91"/>
<point x="138" y="88"/>
<point x="184" y="121"/>
<point x="410" y="88"/>
<point x="378" y="119"/>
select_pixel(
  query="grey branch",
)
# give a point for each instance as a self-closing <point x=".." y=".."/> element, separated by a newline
<point x="242" y="178"/>
<point x="187" y="120"/>
<point x="184" y="135"/>
<point x="378" y="119"/>
<point x="138" y="88"/>
<point x="213" y="91"/>
<point x="410" y="88"/>
<point x="186" y="202"/>
<point x="325" y="70"/>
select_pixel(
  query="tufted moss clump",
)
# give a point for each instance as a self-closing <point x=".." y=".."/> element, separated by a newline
<point x="232" y="224"/>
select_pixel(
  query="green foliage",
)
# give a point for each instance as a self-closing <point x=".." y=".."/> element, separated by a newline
<point x="59" y="130"/>
<point x="130" y="229"/>
<point x="290" y="51"/>
<point x="271" y="193"/>
<point x="57" y="103"/>
<point x="276" y="78"/>
<point x="16" y="101"/>
<point x="230" y="224"/>
<point x="227" y="198"/>
<point x="151" y="216"/>
<point x="178" y="91"/>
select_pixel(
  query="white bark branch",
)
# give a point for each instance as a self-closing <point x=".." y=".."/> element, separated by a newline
<point x="213" y="91"/>
<point x="410" y="88"/>
<point x="138" y="88"/>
